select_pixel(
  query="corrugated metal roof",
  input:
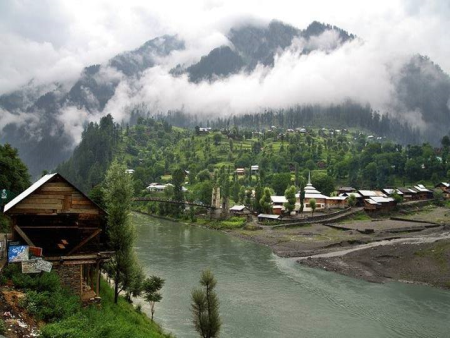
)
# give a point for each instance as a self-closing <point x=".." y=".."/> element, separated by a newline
<point x="269" y="216"/>
<point x="237" y="208"/>
<point x="278" y="199"/>
<point x="28" y="191"/>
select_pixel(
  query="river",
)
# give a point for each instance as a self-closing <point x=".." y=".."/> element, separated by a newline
<point x="262" y="295"/>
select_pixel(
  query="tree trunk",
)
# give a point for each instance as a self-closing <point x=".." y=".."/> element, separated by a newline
<point x="116" y="287"/>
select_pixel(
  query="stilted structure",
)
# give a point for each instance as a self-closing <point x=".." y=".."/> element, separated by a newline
<point x="54" y="215"/>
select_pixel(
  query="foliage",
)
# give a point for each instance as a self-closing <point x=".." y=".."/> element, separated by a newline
<point x="13" y="173"/>
<point x="205" y="307"/>
<point x="351" y="200"/>
<point x="312" y="205"/>
<point x="91" y="158"/>
<point x="2" y="326"/>
<point x="151" y="288"/>
<point x="118" y="192"/>
<point x="51" y="306"/>
<point x="110" y="320"/>
<point x="291" y="199"/>
<point x="266" y="201"/>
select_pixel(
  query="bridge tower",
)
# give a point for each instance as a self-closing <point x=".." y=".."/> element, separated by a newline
<point x="215" y="199"/>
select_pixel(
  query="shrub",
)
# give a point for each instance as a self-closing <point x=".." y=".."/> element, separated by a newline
<point x="2" y="326"/>
<point x="51" y="306"/>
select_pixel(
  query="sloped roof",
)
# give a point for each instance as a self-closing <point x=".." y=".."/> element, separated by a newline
<point x="269" y="216"/>
<point x="278" y="199"/>
<point x="237" y="208"/>
<point x="421" y="188"/>
<point x="28" y="191"/>
<point x="39" y="183"/>
<point x="382" y="199"/>
<point x="390" y="191"/>
<point x="370" y="193"/>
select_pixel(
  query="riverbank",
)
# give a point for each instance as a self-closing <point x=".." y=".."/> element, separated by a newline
<point x="408" y="247"/>
<point x="376" y="250"/>
<point x="36" y="305"/>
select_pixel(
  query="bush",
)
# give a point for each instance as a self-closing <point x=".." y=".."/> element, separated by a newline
<point x="2" y="326"/>
<point x="51" y="306"/>
<point x="39" y="282"/>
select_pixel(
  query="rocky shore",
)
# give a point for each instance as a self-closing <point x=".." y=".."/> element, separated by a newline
<point x="377" y="250"/>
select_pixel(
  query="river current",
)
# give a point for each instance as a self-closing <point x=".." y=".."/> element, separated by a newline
<point x="262" y="295"/>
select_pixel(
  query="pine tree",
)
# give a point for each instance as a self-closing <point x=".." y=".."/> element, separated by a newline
<point x="151" y="287"/>
<point x="205" y="307"/>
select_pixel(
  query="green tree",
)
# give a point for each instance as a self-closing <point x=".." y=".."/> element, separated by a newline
<point x="242" y="195"/>
<point x="217" y="138"/>
<point x="280" y="182"/>
<point x="118" y="193"/>
<point x="312" y="205"/>
<point x="351" y="200"/>
<point x="290" y="197"/>
<point x="13" y="173"/>
<point x="324" y="183"/>
<point x="302" y="198"/>
<point x="266" y="202"/>
<point x="205" y="307"/>
<point x="236" y="189"/>
<point x="177" y="180"/>
<point x="151" y="288"/>
<point x="258" y="195"/>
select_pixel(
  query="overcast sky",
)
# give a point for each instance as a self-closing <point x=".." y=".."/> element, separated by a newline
<point x="53" y="40"/>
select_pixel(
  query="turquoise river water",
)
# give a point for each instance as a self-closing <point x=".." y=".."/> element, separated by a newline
<point x="262" y="295"/>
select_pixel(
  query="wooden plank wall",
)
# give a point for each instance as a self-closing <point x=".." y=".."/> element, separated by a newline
<point x="56" y="197"/>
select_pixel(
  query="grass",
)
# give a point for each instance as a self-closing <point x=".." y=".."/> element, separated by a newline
<point x="66" y="318"/>
<point x="110" y="320"/>
<point x="231" y="223"/>
<point x="357" y="217"/>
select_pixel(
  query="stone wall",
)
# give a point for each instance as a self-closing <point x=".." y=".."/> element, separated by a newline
<point x="70" y="276"/>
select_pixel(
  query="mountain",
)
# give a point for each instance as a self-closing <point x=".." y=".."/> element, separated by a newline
<point x="39" y="132"/>
<point x="45" y="121"/>
<point x="253" y="45"/>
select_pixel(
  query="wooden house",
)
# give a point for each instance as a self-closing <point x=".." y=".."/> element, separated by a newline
<point x="445" y="187"/>
<point x="54" y="215"/>
<point x="408" y="194"/>
<point x="423" y="193"/>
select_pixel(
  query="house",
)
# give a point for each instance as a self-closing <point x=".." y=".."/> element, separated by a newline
<point x="423" y="193"/>
<point x="240" y="171"/>
<point x="445" y="187"/>
<point x="371" y="193"/>
<point x="311" y="193"/>
<point x="254" y="169"/>
<point x="268" y="218"/>
<point x="377" y="203"/>
<point x="129" y="171"/>
<point x="158" y="187"/>
<point x="204" y="130"/>
<point x="239" y="210"/>
<point x="278" y="204"/>
<point x="408" y="194"/>
<point x="391" y="192"/>
<point x="66" y="227"/>
<point x="339" y="202"/>
<point x="343" y="190"/>
<point x="358" y="196"/>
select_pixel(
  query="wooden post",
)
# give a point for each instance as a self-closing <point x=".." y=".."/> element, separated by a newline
<point x="97" y="286"/>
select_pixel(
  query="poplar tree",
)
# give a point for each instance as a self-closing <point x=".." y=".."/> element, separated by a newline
<point x="290" y="197"/>
<point x="266" y="201"/>
<point x="118" y="193"/>
<point x="205" y="307"/>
